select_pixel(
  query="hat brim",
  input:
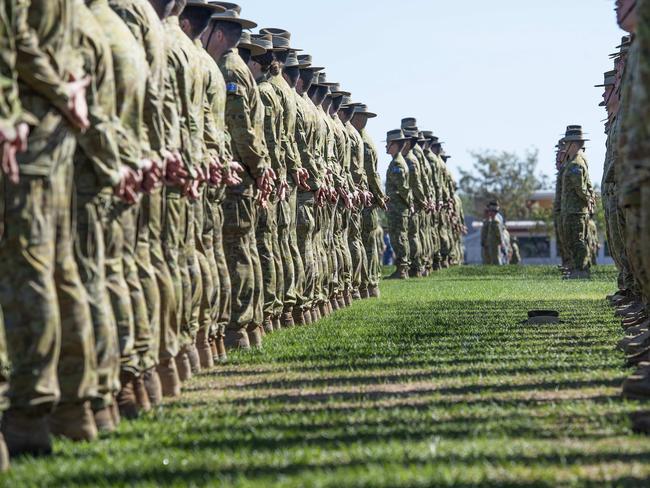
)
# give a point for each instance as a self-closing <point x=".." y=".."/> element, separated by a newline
<point x="575" y="139"/>
<point x="210" y="7"/>
<point x="369" y="115"/>
<point x="342" y="93"/>
<point x="403" y="139"/>
<point x="245" y="24"/>
<point x="314" y="68"/>
<point x="253" y="48"/>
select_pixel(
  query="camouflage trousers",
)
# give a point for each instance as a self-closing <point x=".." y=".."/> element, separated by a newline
<point x="5" y="369"/>
<point x="445" y="238"/>
<point x="298" y="264"/>
<point x="415" y="245"/>
<point x="305" y="228"/>
<point x="561" y="244"/>
<point x="400" y="236"/>
<point x="370" y="230"/>
<point x="172" y="223"/>
<point x="357" y="250"/>
<point x="131" y="266"/>
<point x="436" y="233"/>
<point x="192" y="278"/>
<point x="90" y="253"/>
<point x="332" y="244"/>
<point x="47" y="318"/>
<point x="225" y="286"/>
<point x="634" y="246"/>
<point x="207" y="239"/>
<point x="268" y="248"/>
<point x="240" y="216"/>
<point x="615" y="240"/>
<point x="645" y="235"/>
<point x="164" y="343"/>
<point x="204" y="256"/>
<point x="287" y="268"/>
<point x="322" y="221"/>
<point x="147" y="338"/>
<point x="575" y="234"/>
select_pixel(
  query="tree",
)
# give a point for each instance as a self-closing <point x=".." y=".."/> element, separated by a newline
<point x="505" y="177"/>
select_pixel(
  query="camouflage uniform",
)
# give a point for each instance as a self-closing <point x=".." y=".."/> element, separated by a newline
<point x="401" y="201"/>
<point x="47" y="317"/>
<point x="419" y="201"/>
<point x="97" y="165"/>
<point x="268" y="244"/>
<point x="307" y="126"/>
<point x="245" y="122"/>
<point x="576" y="194"/>
<point x="121" y="232"/>
<point x="557" y="217"/>
<point x="371" y="226"/>
<point x="494" y="241"/>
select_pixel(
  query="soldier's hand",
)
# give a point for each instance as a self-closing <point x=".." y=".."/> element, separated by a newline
<point x="22" y="134"/>
<point x="347" y="198"/>
<point x="191" y="189"/>
<point x="127" y="188"/>
<point x="215" y="177"/>
<point x="9" y="163"/>
<point x="321" y="196"/>
<point x="77" y="109"/>
<point x="383" y="203"/>
<point x="175" y="173"/>
<point x="265" y="182"/>
<point x="152" y="175"/>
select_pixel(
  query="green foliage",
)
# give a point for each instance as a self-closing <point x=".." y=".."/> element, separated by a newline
<point x="504" y="176"/>
<point x="438" y="383"/>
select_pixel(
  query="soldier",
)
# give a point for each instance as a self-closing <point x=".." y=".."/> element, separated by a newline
<point x="13" y="139"/>
<point x="245" y="122"/>
<point x="130" y="309"/>
<point x="98" y="175"/>
<point x="53" y="358"/>
<point x="493" y="236"/>
<point x="144" y="21"/>
<point x="577" y="201"/>
<point x="400" y="202"/>
<point x="515" y="259"/>
<point x="371" y="227"/>
<point x="307" y="126"/>
<point x="560" y="157"/>
<point x="258" y="54"/>
<point x="420" y="198"/>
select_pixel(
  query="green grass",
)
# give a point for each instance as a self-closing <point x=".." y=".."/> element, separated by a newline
<point x="438" y="383"/>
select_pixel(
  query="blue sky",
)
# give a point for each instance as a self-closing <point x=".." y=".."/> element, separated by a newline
<point x="503" y="75"/>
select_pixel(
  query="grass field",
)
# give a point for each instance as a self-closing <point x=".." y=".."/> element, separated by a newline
<point x="437" y="383"/>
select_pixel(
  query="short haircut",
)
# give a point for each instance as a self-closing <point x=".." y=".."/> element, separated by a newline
<point x="268" y="63"/>
<point x="307" y="75"/>
<point x="231" y="31"/>
<point x="281" y="56"/>
<point x="198" y="19"/>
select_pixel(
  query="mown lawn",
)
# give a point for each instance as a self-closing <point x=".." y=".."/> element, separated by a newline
<point x="437" y="383"/>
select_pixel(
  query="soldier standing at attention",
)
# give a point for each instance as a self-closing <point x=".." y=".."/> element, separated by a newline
<point x="400" y="203"/>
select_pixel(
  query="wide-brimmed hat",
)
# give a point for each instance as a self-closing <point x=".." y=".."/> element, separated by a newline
<point x="293" y="62"/>
<point x="246" y="42"/>
<point x="409" y="123"/>
<point x="609" y="79"/>
<point x="422" y="137"/>
<point x="623" y="47"/>
<point x="396" y="136"/>
<point x="321" y="80"/>
<point x="575" y="135"/>
<point x="210" y="8"/>
<point x="348" y="103"/>
<point x="262" y="41"/>
<point x="281" y="39"/>
<point x="335" y="91"/>
<point x="232" y="14"/>
<point x="362" y="110"/>
<point x="308" y="60"/>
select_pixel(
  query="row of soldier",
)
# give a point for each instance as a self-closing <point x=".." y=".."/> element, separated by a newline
<point x="173" y="188"/>
<point x="574" y="206"/>
<point x="425" y="216"/>
<point x="626" y="191"/>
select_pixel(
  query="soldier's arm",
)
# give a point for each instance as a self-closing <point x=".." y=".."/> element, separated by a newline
<point x="10" y="108"/>
<point x="273" y="142"/>
<point x="99" y="142"/>
<point x="33" y="65"/>
<point x="305" y="150"/>
<point x="403" y="187"/>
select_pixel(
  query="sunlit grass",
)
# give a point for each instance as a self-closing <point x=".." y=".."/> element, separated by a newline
<point x="437" y="383"/>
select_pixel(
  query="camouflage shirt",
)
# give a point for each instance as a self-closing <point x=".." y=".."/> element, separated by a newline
<point x="305" y="134"/>
<point x="576" y="187"/>
<point x="397" y="184"/>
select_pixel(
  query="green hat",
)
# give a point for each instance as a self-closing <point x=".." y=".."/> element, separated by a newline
<point x="362" y="110"/>
<point x="292" y="62"/>
<point x="262" y="41"/>
<point x="210" y="8"/>
<point x="335" y="91"/>
<point x="322" y="80"/>
<point x="410" y="123"/>
<point x="422" y="137"/>
<point x="307" y="60"/>
<point x="281" y="39"/>
<point x="609" y="79"/>
<point x="348" y="103"/>
<point x="574" y="134"/>
<point x="247" y="42"/>
<point x="232" y="14"/>
<point x="396" y="136"/>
